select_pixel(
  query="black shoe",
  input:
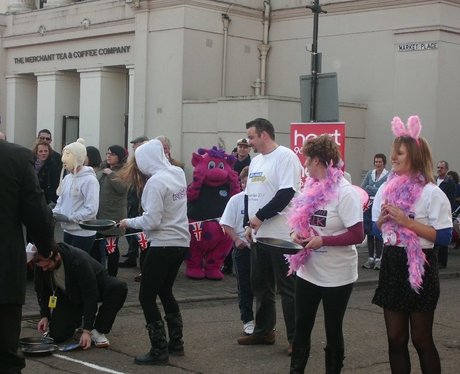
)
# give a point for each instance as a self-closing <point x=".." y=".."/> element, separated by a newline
<point x="127" y="264"/>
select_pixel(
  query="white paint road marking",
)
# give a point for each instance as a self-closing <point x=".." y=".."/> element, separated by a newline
<point x="93" y="366"/>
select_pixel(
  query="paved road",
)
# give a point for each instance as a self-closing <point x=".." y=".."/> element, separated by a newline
<point x="212" y="326"/>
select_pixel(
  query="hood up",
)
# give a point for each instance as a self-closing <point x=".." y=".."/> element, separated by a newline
<point x="150" y="158"/>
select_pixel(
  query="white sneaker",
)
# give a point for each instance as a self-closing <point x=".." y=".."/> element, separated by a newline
<point x="369" y="264"/>
<point x="377" y="264"/>
<point x="248" y="328"/>
<point x="99" y="340"/>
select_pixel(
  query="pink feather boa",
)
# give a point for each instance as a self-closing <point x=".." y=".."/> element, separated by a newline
<point x="403" y="192"/>
<point x="315" y="195"/>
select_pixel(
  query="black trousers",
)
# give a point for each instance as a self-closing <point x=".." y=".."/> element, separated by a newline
<point x="10" y="328"/>
<point x="159" y="272"/>
<point x="67" y="316"/>
<point x="307" y="299"/>
<point x="268" y="274"/>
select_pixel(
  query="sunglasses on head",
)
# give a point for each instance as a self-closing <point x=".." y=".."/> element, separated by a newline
<point x="44" y="137"/>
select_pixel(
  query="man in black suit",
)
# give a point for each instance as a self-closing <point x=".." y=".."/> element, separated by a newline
<point x="23" y="202"/>
<point x="448" y="186"/>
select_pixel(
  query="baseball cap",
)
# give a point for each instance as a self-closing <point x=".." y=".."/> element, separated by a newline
<point x="139" y="139"/>
<point x="243" y="142"/>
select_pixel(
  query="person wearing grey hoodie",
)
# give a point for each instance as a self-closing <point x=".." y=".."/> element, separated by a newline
<point x="164" y="222"/>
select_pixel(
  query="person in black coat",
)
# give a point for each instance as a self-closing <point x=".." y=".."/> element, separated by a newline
<point x="77" y="282"/>
<point x="23" y="202"/>
<point x="47" y="169"/>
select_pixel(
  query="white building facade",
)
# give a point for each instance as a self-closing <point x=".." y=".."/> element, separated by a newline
<point x="198" y="70"/>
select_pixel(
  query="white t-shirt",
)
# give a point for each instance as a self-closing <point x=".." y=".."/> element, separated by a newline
<point x="233" y="215"/>
<point x="269" y="173"/>
<point x="432" y="208"/>
<point x="334" y="266"/>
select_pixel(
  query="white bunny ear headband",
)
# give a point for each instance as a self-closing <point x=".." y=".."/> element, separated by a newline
<point x="412" y="129"/>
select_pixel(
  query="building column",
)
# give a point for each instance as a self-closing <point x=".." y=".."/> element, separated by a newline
<point x="103" y="105"/>
<point x="58" y="94"/>
<point x="21" y="109"/>
<point x="17" y="6"/>
<point x="133" y="130"/>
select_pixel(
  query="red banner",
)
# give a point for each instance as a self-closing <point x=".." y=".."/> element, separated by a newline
<point x="304" y="131"/>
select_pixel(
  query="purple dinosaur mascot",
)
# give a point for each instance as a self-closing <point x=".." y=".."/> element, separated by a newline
<point x="214" y="182"/>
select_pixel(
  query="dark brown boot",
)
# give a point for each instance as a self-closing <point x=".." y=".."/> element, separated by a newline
<point x="175" y="326"/>
<point x="158" y="354"/>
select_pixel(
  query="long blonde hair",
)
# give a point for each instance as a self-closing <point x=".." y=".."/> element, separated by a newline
<point x="132" y="176"/>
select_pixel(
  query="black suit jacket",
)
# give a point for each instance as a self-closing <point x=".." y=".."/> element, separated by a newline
<point x="449" y="187"/>
<point x="21" y="202"/>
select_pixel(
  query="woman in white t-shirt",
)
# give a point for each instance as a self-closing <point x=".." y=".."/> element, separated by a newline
<point x="327" y="219"/>
<point x="412" y="213"/>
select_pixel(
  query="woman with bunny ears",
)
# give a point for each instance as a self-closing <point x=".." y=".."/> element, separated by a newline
<point x="412" y="214"/>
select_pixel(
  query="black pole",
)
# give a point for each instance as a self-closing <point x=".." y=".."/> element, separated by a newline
<point x="316" y="9"/>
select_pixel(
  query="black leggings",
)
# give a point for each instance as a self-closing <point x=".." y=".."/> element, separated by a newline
<point x="307" y="299"/>
<point x="159" y="272"/>
<point x="421" y="327"/>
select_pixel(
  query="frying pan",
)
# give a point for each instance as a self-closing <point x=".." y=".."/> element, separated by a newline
<point x="36" y="340"/>
<point x="279" y="246"/>
<point x="39" y="349"/>
<point x="97" y="224"/>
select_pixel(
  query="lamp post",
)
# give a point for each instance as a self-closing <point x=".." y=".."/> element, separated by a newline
<point x="315" y="66"/>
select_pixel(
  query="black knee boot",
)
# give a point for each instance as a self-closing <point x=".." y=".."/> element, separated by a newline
<point x="158" y="354"/>
<point x="299" y="358"/>
<point x="175" y="325"/>
<point x="334" y="360"/>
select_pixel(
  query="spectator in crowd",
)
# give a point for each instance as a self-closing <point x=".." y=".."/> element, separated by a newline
<point x="274" y="178"/>
<point x="167" y="148"/>
<point x="23" y="202"/>
<point x="112" y="205"/>
<point x="134" y="210"/>
<point x="93" y="158"/>
<point x="48" y="171"/>
<point x="164" y="221"/>
<point x="78" y="197"/>
<point x="326" y="219"/>
<point x="232" y="223"/>
<point x="243" y="158"/>
<point x="456" y="209"/>
<point x="448" y="186"/>
<point x="371" y="183"/>
<point x="45" y="136"/>
<point x="77" y="282"/>
<point x="412" y="214"/>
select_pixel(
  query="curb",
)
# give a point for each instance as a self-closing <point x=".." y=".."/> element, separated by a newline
<point x="197" y="299"/>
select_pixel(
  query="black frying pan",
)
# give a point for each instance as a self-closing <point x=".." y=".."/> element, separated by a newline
<point x="39" y="349"/>
<point x="97" y="224"/>
<point x="279" y="245"/>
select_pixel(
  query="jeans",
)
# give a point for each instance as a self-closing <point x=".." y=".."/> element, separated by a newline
<point x="242" y="264"/>
<point x="10" y="327"/>
<point x="335" y="301"/>
<point x="269" y="270"/>
<point x="83" y="242"/>
<point x="159" y="272"/>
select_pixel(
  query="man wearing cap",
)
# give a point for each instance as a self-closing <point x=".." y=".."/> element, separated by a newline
<point x="136" y="142"/>
<point x="23" y="202"/>
<point x="242" y="155"/>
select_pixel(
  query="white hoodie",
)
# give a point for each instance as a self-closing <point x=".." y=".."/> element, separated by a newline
<point x="79" y="200"/>
<point x="164" y="199"/>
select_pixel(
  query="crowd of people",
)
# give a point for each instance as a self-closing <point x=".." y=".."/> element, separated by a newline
<point x="407" y="223"/>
